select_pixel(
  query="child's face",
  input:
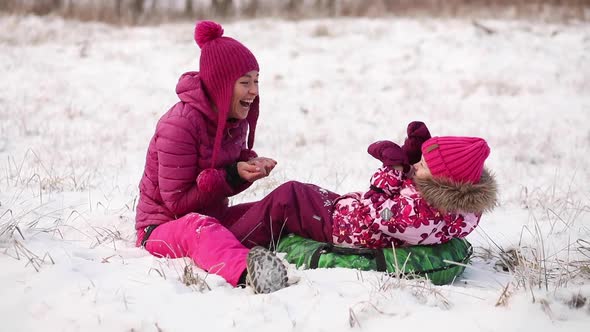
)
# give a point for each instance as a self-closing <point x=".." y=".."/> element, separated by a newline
<point x="421" y="169"/>
<point x="245" y="90"/>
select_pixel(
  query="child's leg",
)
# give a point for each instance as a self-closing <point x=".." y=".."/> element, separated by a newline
<point x="235" y="212"/>
<point x="294" y="207"/>
<point x="211" y="246"/>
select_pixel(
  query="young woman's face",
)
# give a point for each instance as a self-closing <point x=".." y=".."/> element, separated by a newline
<point x="245" y="90"/>
<point x="421" y="169"/>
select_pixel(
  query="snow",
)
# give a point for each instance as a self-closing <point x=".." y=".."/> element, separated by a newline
<point x="79" y="103"/>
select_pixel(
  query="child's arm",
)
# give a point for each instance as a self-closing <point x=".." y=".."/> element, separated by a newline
<point x="388" y="179"/>
<point x="417" y="134"/>
<point x="389" y="153"/>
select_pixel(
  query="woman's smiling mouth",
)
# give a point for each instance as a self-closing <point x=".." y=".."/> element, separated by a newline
<point x="246" y="103"/>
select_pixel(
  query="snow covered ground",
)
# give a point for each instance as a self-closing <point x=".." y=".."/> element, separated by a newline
<point x="79" y="102"/>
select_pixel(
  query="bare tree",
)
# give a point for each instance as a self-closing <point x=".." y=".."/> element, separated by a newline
<point x="251" y="9"/>
<point x="69" y="10"/>
<point x="138" y="6"/>
<point x="119" y="9"/>
<point x="188" y="7"/>
<point x="57" y="5"/>
<point x="222" y="8"/>
<point x="292" y="6"/>
<point x="137" y="10"/>
<point x="44" y="7"/>
<point x="328" y="6"/>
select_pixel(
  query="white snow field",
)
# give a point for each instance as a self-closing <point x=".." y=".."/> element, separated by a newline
<point x="79" y="103"/>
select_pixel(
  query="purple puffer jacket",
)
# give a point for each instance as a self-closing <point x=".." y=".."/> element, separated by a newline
<point x="178" y="177"/>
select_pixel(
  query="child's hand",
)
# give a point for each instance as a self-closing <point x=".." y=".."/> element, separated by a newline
<point x="389" y="153"/>
<point x="417" y="134"/>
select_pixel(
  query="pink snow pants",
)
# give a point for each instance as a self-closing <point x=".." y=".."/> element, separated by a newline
<point x="209" y="244"/>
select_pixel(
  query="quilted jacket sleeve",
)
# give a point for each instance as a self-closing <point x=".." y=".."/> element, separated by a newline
<point x="247" y="154"/>
<point x="404" y="223"/>
<point x="177" y="148"/>
<point x="388" y="179"/>
<point x="416" y="223"/>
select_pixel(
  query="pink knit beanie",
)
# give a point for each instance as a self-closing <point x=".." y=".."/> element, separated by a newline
<point x="224" y="60"/>
<point x="458" y="158"/>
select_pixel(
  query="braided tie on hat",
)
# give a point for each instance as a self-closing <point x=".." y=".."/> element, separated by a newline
<point x="206" y="31"/>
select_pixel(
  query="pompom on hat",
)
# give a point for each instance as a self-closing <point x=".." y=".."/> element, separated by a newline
<point x="460" y="159"/>
<point x="223" y="60"/>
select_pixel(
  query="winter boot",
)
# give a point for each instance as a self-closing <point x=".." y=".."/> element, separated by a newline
<point x="266" y="272"/>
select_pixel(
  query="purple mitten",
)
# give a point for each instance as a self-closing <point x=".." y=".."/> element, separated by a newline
<point x="389" y="153"/>
<point x="417" y="134"/>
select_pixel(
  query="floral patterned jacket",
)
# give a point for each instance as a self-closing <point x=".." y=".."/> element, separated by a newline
<point x="400" y="211"/>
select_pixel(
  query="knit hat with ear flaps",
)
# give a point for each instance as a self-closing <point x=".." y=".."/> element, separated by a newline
<point x="224" y="60"/>
<point x="458" y="158"/>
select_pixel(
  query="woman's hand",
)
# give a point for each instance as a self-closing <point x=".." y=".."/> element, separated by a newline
<point x="267" y="164"/>
<point x="256" y="168"/>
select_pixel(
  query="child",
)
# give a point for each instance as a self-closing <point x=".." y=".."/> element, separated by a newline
<point x="201" y="154"/>
<point x="441" y="197"/>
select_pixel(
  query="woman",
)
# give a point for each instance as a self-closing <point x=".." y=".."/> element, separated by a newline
<point x="199" y="156"/>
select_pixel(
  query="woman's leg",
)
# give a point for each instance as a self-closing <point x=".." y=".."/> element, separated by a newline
<point x="211" y="246"/>
<point x="294" y="207"/>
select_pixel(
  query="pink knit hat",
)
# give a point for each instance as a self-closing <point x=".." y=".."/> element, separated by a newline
<point x="458" y="158"/>
<point x="224" y="60"/>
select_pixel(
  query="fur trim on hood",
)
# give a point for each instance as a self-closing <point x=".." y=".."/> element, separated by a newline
<point x="452" y="196"/>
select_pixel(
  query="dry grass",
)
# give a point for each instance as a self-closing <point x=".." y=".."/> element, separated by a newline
<point x="192" y="280"/>
<point x="28" y="212"/>
<point x="27" y="208"/>
<point x="389" y="285"/>
<point x="386" y="287"/>
<point x="364" y="307"/>
<point x="33" y="172"/>
<point x="536" y="267"/>
<point x="21" y="252"/>
<point x="535" y="264"/>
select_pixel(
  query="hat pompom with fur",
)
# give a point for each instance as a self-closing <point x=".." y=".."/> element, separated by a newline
<point x="206" y="31"/>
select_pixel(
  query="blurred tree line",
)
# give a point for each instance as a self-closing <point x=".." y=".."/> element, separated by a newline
<point x="152" y="11"/>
